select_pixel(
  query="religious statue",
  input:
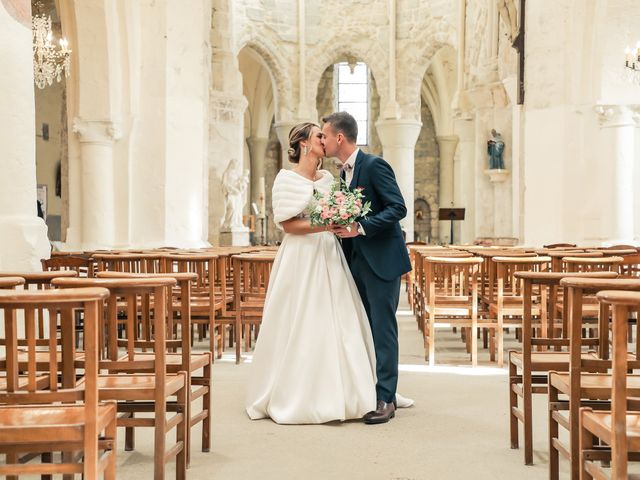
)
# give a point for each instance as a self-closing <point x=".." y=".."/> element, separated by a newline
<point x="234" y="186"/>
<point x="495" y="148"/>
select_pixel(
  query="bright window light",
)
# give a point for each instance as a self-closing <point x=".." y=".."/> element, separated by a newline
<point x="353" y="96"/>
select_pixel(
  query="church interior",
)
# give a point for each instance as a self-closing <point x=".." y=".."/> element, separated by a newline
<point x="140" y="143"/>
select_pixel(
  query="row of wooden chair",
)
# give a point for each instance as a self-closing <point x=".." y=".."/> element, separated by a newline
<point x="499" y="298"/>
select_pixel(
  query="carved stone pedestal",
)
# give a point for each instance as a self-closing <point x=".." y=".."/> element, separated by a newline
<point x="234" y="237"/>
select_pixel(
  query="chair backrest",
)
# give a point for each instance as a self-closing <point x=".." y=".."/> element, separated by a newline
<point x="26" y="382"/>
<point x="559" y="245"/>
<point x="506" y="268"/>
<point x="591" y="264"/>
<point x="621" y="303"/>
<point x="143" y="302"/>
<point x="178" y="308"/>
<point x="132" y="262"/>
<point x="451" y="277"/>
<point x="545" y="285"/>
<point x="251" y="274"/>
<point x="82" y="265"/>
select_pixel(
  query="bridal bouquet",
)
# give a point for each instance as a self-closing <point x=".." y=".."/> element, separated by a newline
<point x="338" y="206"/>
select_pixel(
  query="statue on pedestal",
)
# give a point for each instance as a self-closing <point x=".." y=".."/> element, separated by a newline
<point x="495" y="148"/>
<point x="234" y="186"/>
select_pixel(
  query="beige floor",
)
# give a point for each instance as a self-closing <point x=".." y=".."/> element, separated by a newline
<point x="457" y="429"/>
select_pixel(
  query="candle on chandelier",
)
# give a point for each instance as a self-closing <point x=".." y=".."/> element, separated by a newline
<point x="627" y="57"/>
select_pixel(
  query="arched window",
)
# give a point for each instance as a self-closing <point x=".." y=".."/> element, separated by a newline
<point x="353" y="95"/>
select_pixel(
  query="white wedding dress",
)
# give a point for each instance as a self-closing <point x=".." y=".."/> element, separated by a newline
<point x="314" y="360"/>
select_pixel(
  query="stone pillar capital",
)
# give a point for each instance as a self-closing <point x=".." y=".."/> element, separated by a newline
<point x="103" y="132"/>
<point x="398" y="133"/>
<point x="226" y="107"/>
<point x="612" y="116"/>
<point x="257" y="144"/>
<point x="447" y="140"/>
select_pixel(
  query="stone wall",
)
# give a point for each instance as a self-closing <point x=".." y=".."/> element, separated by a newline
<point x="427" y="178"/>
<point x="272" y="167"/>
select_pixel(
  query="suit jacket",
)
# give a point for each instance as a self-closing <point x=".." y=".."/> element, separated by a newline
<point x="383" y="246"/>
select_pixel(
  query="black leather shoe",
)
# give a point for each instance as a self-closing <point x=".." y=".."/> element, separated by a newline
<point x="382" y="414"/>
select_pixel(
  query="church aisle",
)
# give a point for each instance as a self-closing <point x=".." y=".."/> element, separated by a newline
<point x="457" y="429"/>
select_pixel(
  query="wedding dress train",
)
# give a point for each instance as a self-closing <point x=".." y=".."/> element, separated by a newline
<point x="314" y="360"/>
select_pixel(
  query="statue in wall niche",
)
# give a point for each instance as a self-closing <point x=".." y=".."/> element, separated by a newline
<point x="234" y="186"/>
<point x="495" y="148"/>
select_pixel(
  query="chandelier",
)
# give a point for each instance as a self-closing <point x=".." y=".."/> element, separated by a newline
<point x="632" y="64"/>
<point x="49" y="60"/>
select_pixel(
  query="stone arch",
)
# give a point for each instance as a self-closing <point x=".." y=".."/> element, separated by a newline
<point x="415" y="56"/>
<point x="375" y="58"/>
<point x="276" y="66"/>
<point x="422" y="222"/>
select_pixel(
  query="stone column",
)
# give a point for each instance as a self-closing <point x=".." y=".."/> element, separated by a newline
<point x="465" y="181"/>
<point x="97" y="138"/>
<point x="282" y="130"/>
<point x="398" y="138"/>
<point x="447" y="145"/>
<point x="226" y="141"/>
<point x="257" y="152"/>
<point x="23" y="235"/>
<point x="618" y="141"/>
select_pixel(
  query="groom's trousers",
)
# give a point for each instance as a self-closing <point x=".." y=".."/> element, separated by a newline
<point x="380" y="298"/>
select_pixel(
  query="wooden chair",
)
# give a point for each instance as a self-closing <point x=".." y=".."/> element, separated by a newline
<point x="557" y="265"/>
<point x="141" y="385"/>
<point x="251" y="273"/>
<point x="559" y="245"/>
<point x="506" y="306"/>
<point x="197" y="364"/>
<point x="529" y="368"/>
<point x="57" y="411"/>
<point x="129" y="261"/>
<point x="451" y="294"/>
<point x="618" y="428"/>
<point x="591" y="264"/>
<point x="41" y="281"/>
<point x="578" y="385"/>
<point x="82" y="265"/>
<point x="206" y="306"/>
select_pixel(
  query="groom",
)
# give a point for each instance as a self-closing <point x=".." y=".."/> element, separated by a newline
<point x="375" y="250"/>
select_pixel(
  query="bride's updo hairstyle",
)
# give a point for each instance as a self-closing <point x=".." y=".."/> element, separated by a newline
<point x="299" y="133"/>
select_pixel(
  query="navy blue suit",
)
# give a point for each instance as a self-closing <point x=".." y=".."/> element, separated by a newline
<point x="377" y="261"/>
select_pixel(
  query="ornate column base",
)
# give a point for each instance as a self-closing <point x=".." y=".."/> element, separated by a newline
<point x="234" y="237"/>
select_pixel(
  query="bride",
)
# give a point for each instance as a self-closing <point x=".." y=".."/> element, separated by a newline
<point x="314" y="360"/>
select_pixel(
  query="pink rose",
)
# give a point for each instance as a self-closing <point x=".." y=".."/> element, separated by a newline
<point x="344" y="216"/>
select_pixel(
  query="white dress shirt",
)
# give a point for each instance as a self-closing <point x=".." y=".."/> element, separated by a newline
<point x="348" y="176"/>
<point x="349" y="171"/>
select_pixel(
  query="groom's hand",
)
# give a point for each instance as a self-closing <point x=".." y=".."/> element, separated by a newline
<point x="347" y="231"/>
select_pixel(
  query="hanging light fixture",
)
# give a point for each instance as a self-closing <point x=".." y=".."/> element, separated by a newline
<point x="49" y="60"/>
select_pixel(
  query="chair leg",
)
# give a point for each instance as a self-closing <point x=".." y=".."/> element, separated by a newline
<point x="527" y="410"/>
<point x="432" y="343"/>
<point x="181" y="430"/>
<point x="206" y="405"/>
<point x="553" y="434"/>
<point x="160" y="439"/>
<point x="110" y="470"/>
<point x="129" y="436"/>
<point x="586" y="443"/>
<point x="513" y="403"/>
